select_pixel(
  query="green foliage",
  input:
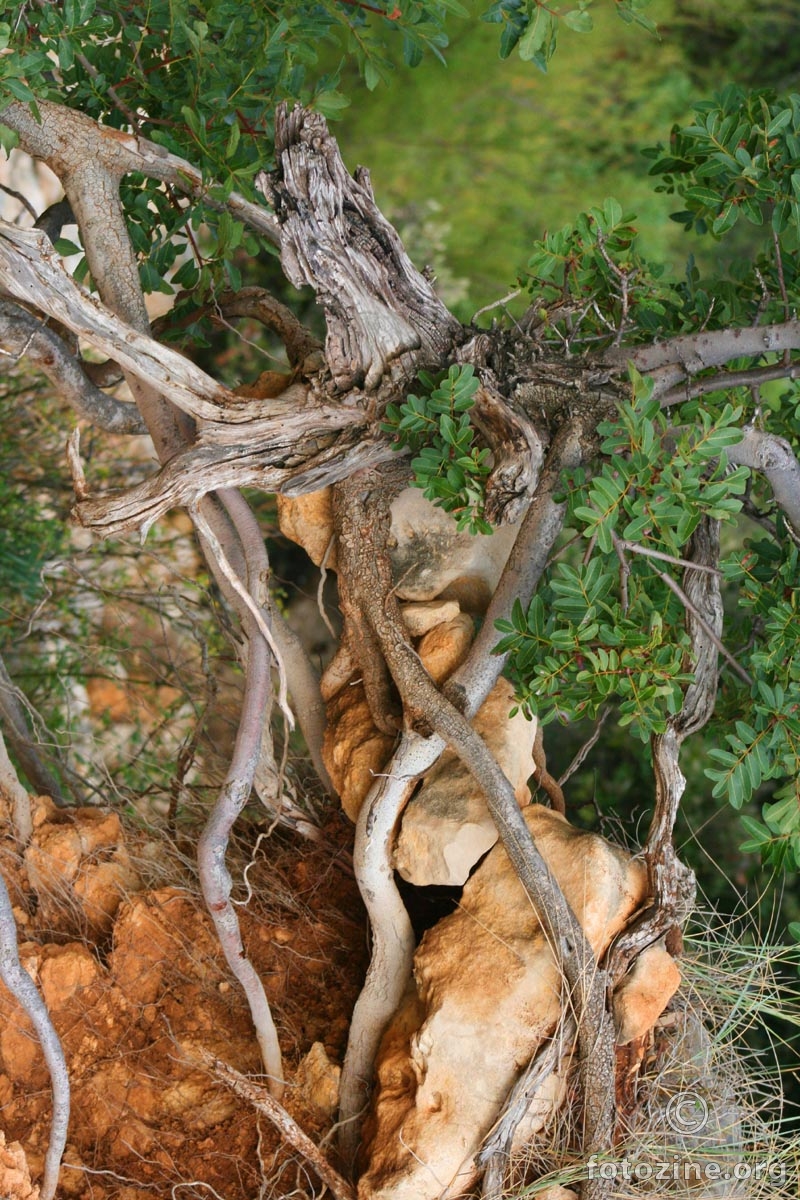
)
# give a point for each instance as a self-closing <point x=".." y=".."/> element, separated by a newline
<point x="533" y="26"/>
<point x="435" y="426"/>
<point x="585" y="641"/>
<point x="766" y="745"/>
<point x="202" y="80"/>
<point x="656" y="481"/>
<point x="739" y="158"/>
<point x="592" y="285"/>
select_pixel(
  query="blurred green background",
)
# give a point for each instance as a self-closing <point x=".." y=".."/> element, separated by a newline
<point x="475" y="160"/>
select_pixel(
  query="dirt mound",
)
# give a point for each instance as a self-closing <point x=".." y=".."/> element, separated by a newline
<point x="136" y="985"/>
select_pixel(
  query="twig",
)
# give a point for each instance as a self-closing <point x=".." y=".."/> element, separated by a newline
<point x="648" y="552"/>
<point x="624" y="280"/>
<point x="621" y="546"/>
<point x="752" y="377"/>
<point x="496" y="304"/>
<point x="496" y="1151"/>
<point x="284" y="1123"/>
<point x="585" y="748"/>
<point x="9" y="191"/>
<point x="24" y="990"/>
<point x="624" y="572"/>
<point x="323" y="575"/>
<point x="256" y="613"/>
<point x="708" y="631"/>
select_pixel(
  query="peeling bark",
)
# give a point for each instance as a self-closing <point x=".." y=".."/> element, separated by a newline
<point x="383" y="316"/>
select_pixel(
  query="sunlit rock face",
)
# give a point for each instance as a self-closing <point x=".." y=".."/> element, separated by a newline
<point x="430" y="558"/>
<point x="447" y="826"/>
<point x="485" y="994"/>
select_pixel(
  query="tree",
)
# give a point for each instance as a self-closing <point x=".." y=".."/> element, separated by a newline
<point x="634" y="412"/>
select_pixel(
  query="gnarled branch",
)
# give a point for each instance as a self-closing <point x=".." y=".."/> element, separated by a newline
<point x="22" y="335"/>
<point x="380" y="311"/>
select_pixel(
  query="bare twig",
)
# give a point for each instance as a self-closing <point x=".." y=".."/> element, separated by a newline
<point x="283" y="1122"/>
<point x="496" y="304"/>
<point x="709" y="632"/>
<point x="24" y="990"/>
<point x="587" y="746"/>
<point x="26" y="204"/>
<point x="752" y="377"/>
<point x="662" y="556"/>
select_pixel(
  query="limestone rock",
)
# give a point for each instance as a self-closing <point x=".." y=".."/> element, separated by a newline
<point x="15" y="1174"/>
<point x="486" y="993"/>
<point x="317" y="1081"/>
<point x="308" y="520"/>
<point x="645" y="992"/>
<point x="444" y="647"/>
<point x="447" y="826"/>
<point x="420" y="617"/>
<point x="79" y="867"/>
<point x="431" y="559"/>
<point x="353" y="748"/>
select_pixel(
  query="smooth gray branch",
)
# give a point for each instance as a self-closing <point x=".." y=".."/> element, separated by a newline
<point x="24" y="990"/>
<point x="775" y="459"/>
<point x="674" y="360"/>
<point x="65" y="130"/>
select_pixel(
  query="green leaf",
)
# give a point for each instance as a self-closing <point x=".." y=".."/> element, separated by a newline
<point x="579" y="20"/>
<point x="331" y="103"/>
<point x="538" y="36"/>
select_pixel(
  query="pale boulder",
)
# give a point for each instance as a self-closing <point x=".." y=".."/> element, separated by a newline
<point x="430" y="558"/>
<point x="641" y="997"/>
<point x="444" y="647"/>
<point x="419" y="617"/>
<point x="353" y="749"/>
<point x="447" y="826"/>
<point x="486" y="993"/>
<point x="317" y="1081"/>
<point x="308" y="520"/>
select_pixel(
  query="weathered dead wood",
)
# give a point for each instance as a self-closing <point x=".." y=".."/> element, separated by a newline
<point x="200" y="470"/>
<point x="517" y="447"/>
<point x="378" y="307"/>
<point x="32" y="271"/>
<point x="24" y="336"/>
